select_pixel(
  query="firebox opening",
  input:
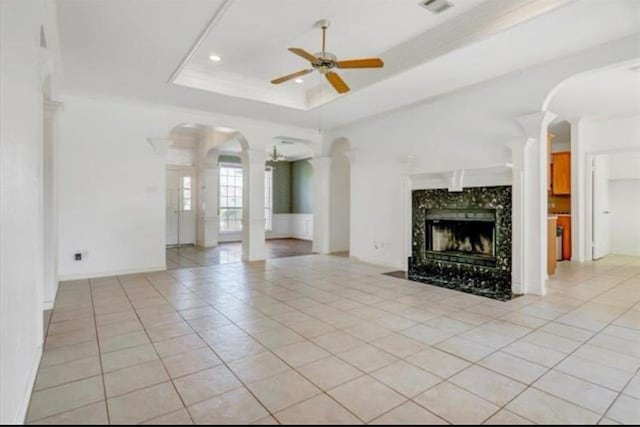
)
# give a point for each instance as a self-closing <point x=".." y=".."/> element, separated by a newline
<point x="461" y="235"/>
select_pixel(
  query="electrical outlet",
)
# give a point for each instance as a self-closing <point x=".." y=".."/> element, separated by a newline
<point x="77" y="256"/>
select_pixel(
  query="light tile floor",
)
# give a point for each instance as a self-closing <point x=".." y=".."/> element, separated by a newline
<point x="322" y="339"/>
<point x="230" y="252"/>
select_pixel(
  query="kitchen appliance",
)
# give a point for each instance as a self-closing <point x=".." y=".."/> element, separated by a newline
<point x="559" y="232"/>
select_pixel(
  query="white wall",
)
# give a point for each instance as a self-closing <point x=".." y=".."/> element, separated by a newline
<point x="297" y="226"/>
<point x="112" y="183"/>
<point x="21" y="218"/>
<point x="624" y="203"/>
<point x="469" y="128"/>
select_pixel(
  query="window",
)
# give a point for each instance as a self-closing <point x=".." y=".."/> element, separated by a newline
<point x="230" y="198"/>
<point x="268" y="199"/>
<point x="187" y="194"/>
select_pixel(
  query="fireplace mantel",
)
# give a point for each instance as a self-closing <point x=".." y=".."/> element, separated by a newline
<point x="457" y="179"/>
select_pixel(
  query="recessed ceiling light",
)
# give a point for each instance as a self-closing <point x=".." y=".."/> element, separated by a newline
<point x="215" y="58"/>
<point x="299" y="81"/>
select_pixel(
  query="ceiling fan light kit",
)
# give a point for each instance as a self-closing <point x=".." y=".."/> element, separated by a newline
<point x="324" y="62"/>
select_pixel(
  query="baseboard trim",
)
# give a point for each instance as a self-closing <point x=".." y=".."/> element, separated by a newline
<point x="378" y="262"/>
<point x="111" y="273"/>
<point x="21" y="415"/>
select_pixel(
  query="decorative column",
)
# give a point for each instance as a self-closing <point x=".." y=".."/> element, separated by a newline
<point x="517" y="216"/>
<point x="253" y="218"/>
<point x="321" y="203"/>
<point x="408" y="163"/>
<point x="578" y="194"/>
<point x="533" y="205"/>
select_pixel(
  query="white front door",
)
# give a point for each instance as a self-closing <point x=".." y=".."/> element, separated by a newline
<point x="180" y="206"/>
<point x="601" y="218"/>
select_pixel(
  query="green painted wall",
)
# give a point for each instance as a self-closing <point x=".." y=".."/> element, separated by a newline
<point x="292" y="185"/>
<point x="301" y="187"/>
<point x="281" y="187"/>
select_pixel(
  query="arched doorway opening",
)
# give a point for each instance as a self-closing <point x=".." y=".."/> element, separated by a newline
<point x="289" y="198"/>
<point x="597" y="123"/>
<point x="193" y="220"/>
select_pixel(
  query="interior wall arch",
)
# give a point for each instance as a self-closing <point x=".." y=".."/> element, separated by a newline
<point x="582" y="148"/>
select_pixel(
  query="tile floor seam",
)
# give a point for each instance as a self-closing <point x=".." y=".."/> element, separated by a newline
<point x="224" y="363"/>
<point x="104" y="387"/>
<point x="161" y="362"/>
<point x="529" y="385"/>
<point x="254" y="286"/>
<point x="558" y="363"/>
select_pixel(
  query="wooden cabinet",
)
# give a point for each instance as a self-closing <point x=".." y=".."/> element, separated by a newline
<point x="561" y="173"/>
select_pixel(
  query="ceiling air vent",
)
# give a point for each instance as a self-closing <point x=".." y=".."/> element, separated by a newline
<point x="436" y="6"/>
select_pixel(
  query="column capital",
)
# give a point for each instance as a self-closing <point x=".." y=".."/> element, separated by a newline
<point x="533" y="123"/>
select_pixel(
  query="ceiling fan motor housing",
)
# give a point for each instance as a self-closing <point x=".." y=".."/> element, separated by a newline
<point x="326" y="61"/>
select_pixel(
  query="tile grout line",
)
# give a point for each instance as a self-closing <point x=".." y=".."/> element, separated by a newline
<point x="224" y="363"/>
<point x="596" y="333"/>
<point x="157" y="354"/>
<point x="268" y="350"/>
<point x="95" y="323"/>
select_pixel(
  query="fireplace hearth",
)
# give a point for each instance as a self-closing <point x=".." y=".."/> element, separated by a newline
<point x="462" y="240"/>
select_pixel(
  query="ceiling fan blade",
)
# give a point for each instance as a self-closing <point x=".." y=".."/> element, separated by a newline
<point x="336" y="81"/>
<point x="291" y="76"/>
<point x="361" y="63"/>
<point x="303" y="53"/>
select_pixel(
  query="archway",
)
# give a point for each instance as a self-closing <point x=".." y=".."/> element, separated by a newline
<point x="601" y="109"/>
<point x="194" y="154"/>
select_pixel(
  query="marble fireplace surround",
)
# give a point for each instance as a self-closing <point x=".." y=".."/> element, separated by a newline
<point x="486" y="280"/>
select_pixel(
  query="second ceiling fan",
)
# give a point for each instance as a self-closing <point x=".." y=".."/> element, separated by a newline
<point x="325" y="62"/>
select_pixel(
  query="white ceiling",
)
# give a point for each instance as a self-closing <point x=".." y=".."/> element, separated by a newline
<point x="258" y="54"/>
<point x="131" y="48"/>
<point x="601" y="94"/>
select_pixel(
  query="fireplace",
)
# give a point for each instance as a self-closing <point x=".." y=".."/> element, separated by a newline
<point x="461" y="235"/>
<point x="462" y="240"/>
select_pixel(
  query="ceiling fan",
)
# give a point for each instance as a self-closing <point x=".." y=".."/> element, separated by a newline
<point x="325" y="62"/>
